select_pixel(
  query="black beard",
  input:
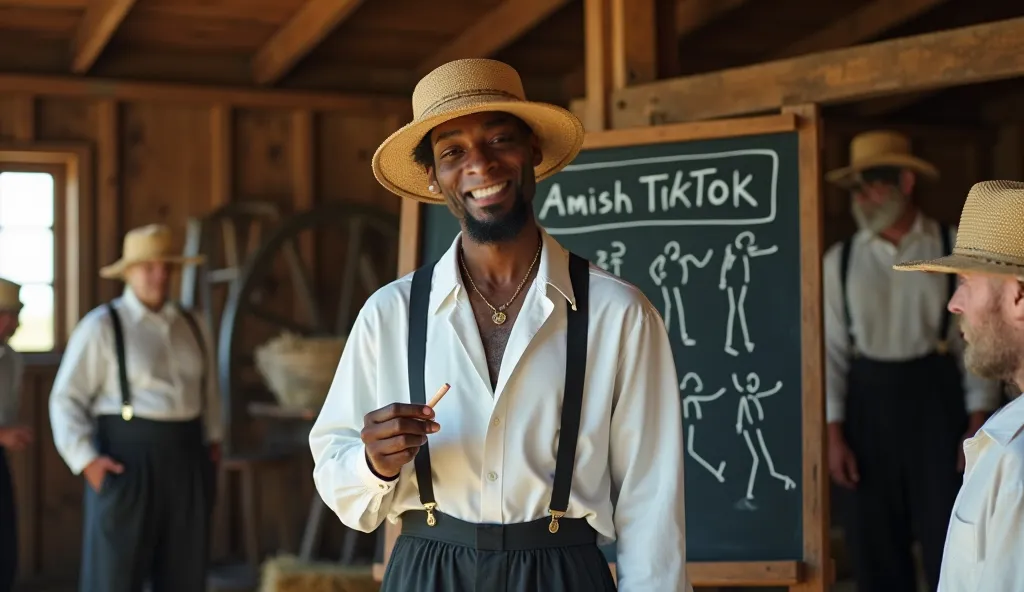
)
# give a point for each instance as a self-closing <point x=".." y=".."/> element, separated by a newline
<point x="500" y="229"/>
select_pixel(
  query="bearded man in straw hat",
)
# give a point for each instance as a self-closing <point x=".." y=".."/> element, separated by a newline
<point x="899" y="401"/>
<point x="562" y="427"/>
<point x="985" y="536"/>
<point x="13" y="437"/>
<point x="131" y="401"/>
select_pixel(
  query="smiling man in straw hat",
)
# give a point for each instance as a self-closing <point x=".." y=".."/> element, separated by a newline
<point x="985" y="537"/>
<point x="562" y="428"/>
<point x="13" y="437"/>
<point x="894" y="359"/>
<point x="131" y="401"/>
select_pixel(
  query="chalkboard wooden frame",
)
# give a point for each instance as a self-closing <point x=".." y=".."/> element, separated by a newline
<point x="814" y="573"/>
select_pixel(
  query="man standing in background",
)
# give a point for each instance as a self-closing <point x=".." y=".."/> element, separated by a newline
<point x="131" y="401"/>
<point x="12" y="436"/>
<point x="899" y="402"/>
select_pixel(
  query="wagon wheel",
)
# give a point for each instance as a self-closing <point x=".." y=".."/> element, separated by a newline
<point x="309" y="277"/>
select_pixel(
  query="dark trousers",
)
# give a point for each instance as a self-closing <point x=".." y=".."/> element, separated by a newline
<point x="8" y="527"/>
<point x="457" y="556"/>
<point x="151" y="522"/>
<point x="904" y="422"/>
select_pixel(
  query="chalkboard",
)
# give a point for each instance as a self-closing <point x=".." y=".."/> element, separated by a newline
<point x="718" y="226"/>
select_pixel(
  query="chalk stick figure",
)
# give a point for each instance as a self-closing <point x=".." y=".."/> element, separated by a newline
<point x="695" y="400"/>
<point x="750" y="396"/>
<point x="672" y="252"/>
<point x="745" y="249"/>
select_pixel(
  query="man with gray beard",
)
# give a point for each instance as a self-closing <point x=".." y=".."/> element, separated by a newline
<point x="899" y="401"/>
<point x="985" y="538"/>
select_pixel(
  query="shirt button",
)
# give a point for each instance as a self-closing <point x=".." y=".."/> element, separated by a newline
<point x="492" y="476"/>
<point x="495" y="421"/>
<point x="382" y="486"/>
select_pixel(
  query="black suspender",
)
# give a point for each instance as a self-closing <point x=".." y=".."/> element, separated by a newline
<point x="942" y="345"/>
<point x="127" y="412"/>
<point x="572" y="403"/>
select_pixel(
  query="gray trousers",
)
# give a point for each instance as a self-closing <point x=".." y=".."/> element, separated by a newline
<point x="150" y="524"/>
<point x="457" y="556"/>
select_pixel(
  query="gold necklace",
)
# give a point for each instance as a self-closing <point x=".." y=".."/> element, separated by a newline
<point x="499" y="313"/>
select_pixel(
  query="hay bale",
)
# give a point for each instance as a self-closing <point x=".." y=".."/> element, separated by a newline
<point x="289" y="574"/>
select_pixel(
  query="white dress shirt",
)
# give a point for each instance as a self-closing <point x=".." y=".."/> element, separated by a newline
<point x="11" y="366"/>
<point x="896" y="315"/>
<point x="165" y="367"/>
<point x="494" y="456"/>
<point x="984" y="549"/>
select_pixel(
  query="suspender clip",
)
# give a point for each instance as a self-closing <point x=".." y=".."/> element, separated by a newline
<point x="431" y="520"/>
<point x="555" y="515"/>
<point x="126" y="411"/>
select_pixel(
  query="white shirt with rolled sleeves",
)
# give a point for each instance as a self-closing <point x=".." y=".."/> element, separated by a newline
<point x="984" y="549"/>
<point x="165" y="367"/>
<point x="896" y="315"/>
<point x="494" y="456"/>
<point x="11" y="368"/>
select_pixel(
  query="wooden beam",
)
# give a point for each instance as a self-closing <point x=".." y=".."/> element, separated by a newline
<point x="695" y="14"/>
<point x="495" y="31"/>
<point x="634" y="55"/>
<point x="314" y="21"/>
<point x="596" y="24"/>
<point x="25" y="118"/>
<point x="101" y="20"/>
<point x="97" y="88"/>
<point x="863" y="24"/>
<point x="221" y="156"/>
<point x="968" y="55"/>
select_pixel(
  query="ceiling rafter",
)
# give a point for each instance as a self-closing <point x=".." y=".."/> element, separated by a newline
<point x="101" y="20"/>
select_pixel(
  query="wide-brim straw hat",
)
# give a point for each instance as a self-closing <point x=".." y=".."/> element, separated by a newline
<point x="880" y="148"/>
<point x="464" y="87"/>
<point x="990" y="238"/>
<point x="10" y="296"/>
<point x="152" y="243"/>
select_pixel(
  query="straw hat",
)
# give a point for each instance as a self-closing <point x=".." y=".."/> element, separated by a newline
<point x="10" y="295"/>
<point x="463" y="87"/>
<point x="148" y="243"/>
<point x="880" y="148"/>
<point x="990" y="238"/>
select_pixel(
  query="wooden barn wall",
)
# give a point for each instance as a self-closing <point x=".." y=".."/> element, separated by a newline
<point x="165" y="162"/>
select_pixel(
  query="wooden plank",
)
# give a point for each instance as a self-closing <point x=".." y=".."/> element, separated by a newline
<point x="968" y="55"/>
<point x="25" y="118"/>
<point x="221" y="167"/>
<point x="314" y="21"/>
<point x="206" y="95"/>
<point x="597" y="27"/>
<point x="409" y="250"/>
<point x="108" y="183"/>
<point x="695" y="14"/>
<point x="768" y="573"/>
<point x="496" y="30"/>
<point x="634" y="55"/>
<point x="700" y="130"/>
<point x="101" y="20"/>
<point x="815" y="480"/>
<point x="303" y="195"/>
<point x="863" y="24"/>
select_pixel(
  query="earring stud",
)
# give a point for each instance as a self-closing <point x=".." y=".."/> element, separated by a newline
<point x="430" y="188"/>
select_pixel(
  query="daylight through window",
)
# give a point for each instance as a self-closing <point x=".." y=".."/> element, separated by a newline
<point x="27" y="253"/>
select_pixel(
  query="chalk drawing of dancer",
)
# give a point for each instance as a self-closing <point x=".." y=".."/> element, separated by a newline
<point x="695" y="401"/>
<point x="673" y="252"/>
<point x="750" y="396"/>
<point x="746" y="249"/>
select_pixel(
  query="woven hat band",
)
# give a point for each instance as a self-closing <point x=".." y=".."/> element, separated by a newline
<point x="438" y="107"/>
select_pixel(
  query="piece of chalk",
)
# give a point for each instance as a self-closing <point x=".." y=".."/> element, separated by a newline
<point x="437" y="396"/>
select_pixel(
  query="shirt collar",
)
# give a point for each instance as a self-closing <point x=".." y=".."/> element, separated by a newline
<point x="138" y="311"/>
<point x="1006" y="423"/>
<point x="552" y="270"/>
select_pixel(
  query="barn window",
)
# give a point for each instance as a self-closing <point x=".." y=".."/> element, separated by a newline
<point x="28" y="253"/>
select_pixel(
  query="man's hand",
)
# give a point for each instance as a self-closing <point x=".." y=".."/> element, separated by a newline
<point x="98" y="469"/>
<point x="393" y="435"/>
<point x="974" y="423"/>
<point x="841" y="463"/>
<point x="15" y="437"/>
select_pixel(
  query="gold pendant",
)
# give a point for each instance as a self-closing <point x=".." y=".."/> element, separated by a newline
<point x="127" y="412"/>
<point x="498" y="317"/>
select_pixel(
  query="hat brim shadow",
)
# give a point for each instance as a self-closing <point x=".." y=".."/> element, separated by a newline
<point x="844" y="176"/>
<point x="559" y="131"/>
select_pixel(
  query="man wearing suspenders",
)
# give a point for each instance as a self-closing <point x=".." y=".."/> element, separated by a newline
<point x="562" y="428"/>
<point x="135" y="409"/>
<point x="899" y="402"/>
<point x="13" y="437"/>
